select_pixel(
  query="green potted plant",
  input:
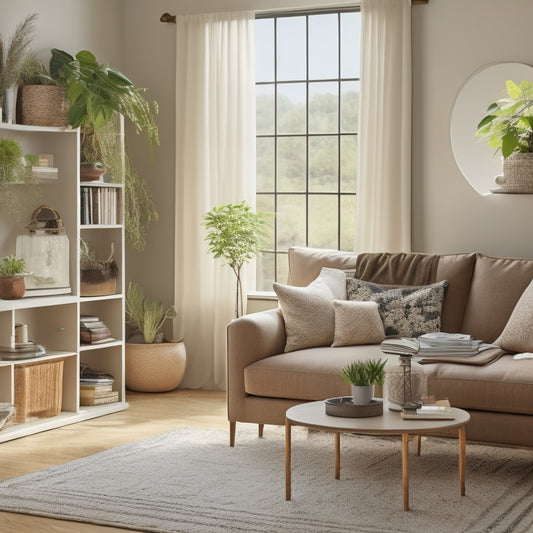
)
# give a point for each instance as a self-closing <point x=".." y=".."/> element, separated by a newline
<point x="363" y="376"/>
<point x="12" y="285"/>
<point x="153" y="363"/>
<point x="508" y="128"/>
<point x="98" y="95"/>
<point x="235" y="234"/>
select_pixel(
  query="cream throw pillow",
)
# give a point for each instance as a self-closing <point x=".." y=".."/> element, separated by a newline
<point x="308" y="314"/>
<point x="357" y="323"/>
<point x="517" y="336"/>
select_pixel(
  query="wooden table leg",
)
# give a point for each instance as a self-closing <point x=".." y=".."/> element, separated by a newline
<point x="462" y="458"/>
<point x="287" y="459"/>
<point x="337" y="455"/>
<point x="405" y="470"/>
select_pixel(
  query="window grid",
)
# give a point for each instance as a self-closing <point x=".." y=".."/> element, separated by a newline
<point x="339" y="134"/>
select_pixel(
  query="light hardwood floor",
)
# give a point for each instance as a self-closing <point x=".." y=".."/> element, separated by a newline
<point x="148" y="415"/>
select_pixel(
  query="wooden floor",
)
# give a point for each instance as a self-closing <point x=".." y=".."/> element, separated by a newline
<point x="148" y="415"/>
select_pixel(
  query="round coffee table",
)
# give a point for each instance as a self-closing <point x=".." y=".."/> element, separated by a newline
<point x="313" y="415"/>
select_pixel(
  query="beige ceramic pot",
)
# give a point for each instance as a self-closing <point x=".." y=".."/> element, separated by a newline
<point x="155" y="367"/>
<point x="12" y="287"/>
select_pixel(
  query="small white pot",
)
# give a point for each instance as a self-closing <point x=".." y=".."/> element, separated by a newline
<point x="362" y="394"/>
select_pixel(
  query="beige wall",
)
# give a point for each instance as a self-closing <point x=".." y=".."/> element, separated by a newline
<point x="451" y="40"/>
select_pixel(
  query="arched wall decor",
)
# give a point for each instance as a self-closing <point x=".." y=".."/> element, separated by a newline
<point x="476" y="160"/>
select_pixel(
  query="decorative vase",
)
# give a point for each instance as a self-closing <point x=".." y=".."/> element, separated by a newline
<point x="11" y="104"/>
<point x="362" y="394"/>
<point x="12" y="287"/>
<point x="155" y="367"/>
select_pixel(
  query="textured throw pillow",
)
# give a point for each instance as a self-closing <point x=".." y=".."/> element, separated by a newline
<point x="406" y="311"/>
<point x="517" y="336"/>
<point x="336" y="281"/>
<point x="357" y="323"/>
<point x="308" y="314"/>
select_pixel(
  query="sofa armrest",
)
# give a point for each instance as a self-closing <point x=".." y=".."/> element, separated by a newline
<point x="250" y="338"/>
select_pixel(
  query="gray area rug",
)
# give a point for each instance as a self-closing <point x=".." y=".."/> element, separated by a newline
<point x="190" y="480"/>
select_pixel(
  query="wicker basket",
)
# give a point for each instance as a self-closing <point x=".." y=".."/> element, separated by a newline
<point x="38" y="390"/>
<point x="44" y="105"/>
<point x="98" y="282"/>
<point x="517" y="173"/>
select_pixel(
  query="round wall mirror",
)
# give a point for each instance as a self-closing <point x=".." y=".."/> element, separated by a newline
<point x="477" y="161"/>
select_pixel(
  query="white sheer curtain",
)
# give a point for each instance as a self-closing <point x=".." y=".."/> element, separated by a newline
<point x="215" y="165"/>
<point x="383" y="219"/>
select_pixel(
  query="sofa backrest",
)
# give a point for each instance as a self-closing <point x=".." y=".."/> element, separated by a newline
<point x="497" y="284"/>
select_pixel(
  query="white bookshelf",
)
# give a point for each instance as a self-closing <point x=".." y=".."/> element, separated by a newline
<point x="53" y="321"/>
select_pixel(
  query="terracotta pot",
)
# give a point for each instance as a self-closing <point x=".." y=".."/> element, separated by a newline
<point x="155" y="367"/>
<point x="91" y="173"/>
<point x="12" y="287"/>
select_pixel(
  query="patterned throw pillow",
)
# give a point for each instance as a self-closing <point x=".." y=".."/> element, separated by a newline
<point x="406" y="311"/>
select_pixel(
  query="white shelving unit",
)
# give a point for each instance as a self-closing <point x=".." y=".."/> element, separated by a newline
<point x="53" y="321"/>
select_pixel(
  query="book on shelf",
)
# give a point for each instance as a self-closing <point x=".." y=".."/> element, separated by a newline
<point x="429" y="412"/>
<point x="92" y="332"/>
<point x="95" y="387"/>
<point x="99" y="205"/>
<point x="108" y="397"/>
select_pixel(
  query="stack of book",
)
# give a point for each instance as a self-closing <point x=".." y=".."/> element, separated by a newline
<point x="429" y="412"/>
<point x="400" y="346"/>
<point x="96" y="387"/>
<point x="440" y="344"/>
<point x="93" y="330"/>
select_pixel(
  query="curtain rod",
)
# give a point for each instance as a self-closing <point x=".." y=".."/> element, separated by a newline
<point x="167" y="17"/>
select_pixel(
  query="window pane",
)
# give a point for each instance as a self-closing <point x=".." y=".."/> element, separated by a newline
<point x="348" y="163"/>
<point x="265" y="203"/>
<point x="264" y="164"/>
<point x="291" y="108"/>
<point x="323" y="164"/>
<point x="324" y="107"/>
<point x="323" y="47"/>
<point x="347" y="223"/>
<point x="265" y="271"/>
<point x="282" y="267"/>
<point x="264" y="109"/>
<point x="291" y="45"/>
<point x="291" y="215"/>
<point x="350" y="45"/>
<point x="323" y="221"/>
<point x="264" y="50"/>
<point x="349" y="106"/>
<point x="291" y="164"/>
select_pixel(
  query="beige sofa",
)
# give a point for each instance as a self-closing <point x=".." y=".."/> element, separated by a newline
<point x="484" y="297"/>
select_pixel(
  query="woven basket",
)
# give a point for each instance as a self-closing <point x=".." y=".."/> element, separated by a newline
<point x="517" y="173"/>
<point x="98" y="282"/>
<point x="43" y="105"/>
<point x="38" y="390"/>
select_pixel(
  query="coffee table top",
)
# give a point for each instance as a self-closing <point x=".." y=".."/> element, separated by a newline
<point x="313" y="415"/>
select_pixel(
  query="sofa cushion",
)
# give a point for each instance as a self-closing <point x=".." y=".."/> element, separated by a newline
<point x="504" y="385"/>
<point x="311" y="374"/>
<point x="496" y="287"/>
<point x="405" y="312"/>
<point x="357" y="323"/>
<point x="517" y="335"/>
<point x="305" y="264"/>
<point x="308" y="314"/>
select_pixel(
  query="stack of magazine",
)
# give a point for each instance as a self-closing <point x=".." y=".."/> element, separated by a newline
<point x="400" y="346"/>
<point x="440" y="344"/>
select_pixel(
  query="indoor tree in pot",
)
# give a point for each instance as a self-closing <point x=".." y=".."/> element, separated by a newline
<point x="363" y="376"/>
<point x="12" y="285"/>
<point x="153" y="364"/>
<point x="508" y="128"/>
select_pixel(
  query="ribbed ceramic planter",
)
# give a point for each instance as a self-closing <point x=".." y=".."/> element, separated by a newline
<point x="362" y="394"/>
<point x="155" y="367"/>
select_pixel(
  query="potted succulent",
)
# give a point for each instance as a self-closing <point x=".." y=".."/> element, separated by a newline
<point x="12" y="285"/>
<point x="235" y="234"/>
<point x="98" y="94"/>
<point x="363" y="376"/>
<point x="508" y="128"/>
<point x="153" y="363"/>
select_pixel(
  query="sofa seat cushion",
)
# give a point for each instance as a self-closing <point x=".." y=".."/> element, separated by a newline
<point x="311" y="374"/>
<point x="506" y="385"/>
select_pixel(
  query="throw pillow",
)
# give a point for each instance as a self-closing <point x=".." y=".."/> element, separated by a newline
<point x="517" y="336"/>
<point x="357" y="323"/>
<point x="336" y="281"/>
<point x="405" y="311"/>
<point x="308" y="314"/>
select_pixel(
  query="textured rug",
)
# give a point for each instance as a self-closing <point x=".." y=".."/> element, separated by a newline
<point x="190" y="480"/>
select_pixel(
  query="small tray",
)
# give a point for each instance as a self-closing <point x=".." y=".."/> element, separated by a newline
<point x="344" y="407"/>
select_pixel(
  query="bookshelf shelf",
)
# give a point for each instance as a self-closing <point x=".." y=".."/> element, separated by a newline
<point x="54" y="320"/>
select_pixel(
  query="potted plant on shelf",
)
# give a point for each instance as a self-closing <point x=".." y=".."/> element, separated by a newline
<point x="153" y="363"/>
<point x="363" y="376"/>
<point x="12" y="285"/>
<point x="508" y="128"/>
<point x="98" y="95"/>
<point x="235" y="234"/>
